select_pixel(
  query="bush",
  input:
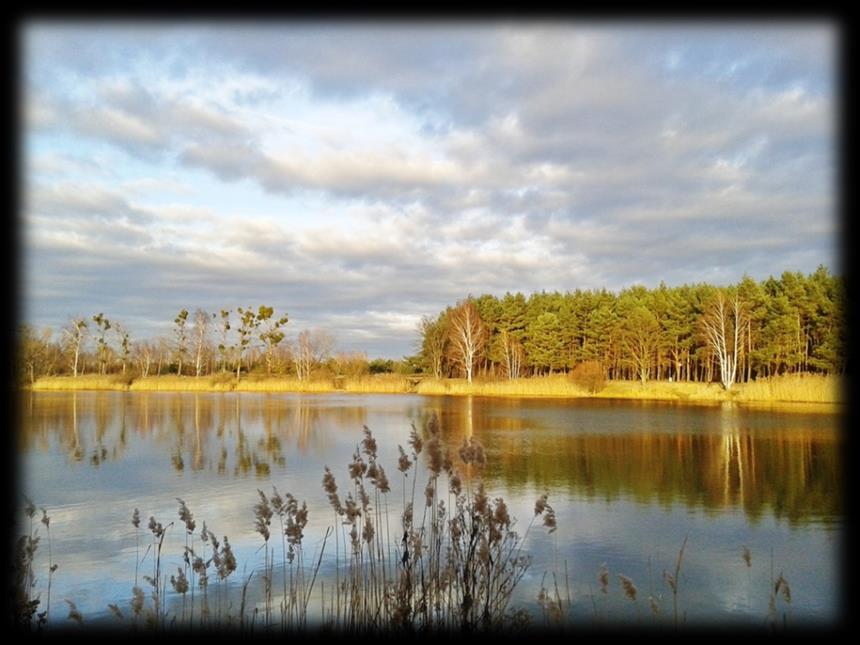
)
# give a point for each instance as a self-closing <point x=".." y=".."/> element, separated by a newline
<point x="122" y="379"/>
<point x="589" y="376"/>
<point x="381" y="366"/>
<point x="222" y="378"/>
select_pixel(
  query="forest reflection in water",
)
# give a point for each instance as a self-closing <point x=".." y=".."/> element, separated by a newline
<point x="710" y="457"/>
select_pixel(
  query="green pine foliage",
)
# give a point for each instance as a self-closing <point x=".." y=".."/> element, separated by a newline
<point x="794" y="324"/>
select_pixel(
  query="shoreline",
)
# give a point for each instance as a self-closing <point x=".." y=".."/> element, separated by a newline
<point x="805" y="389"/>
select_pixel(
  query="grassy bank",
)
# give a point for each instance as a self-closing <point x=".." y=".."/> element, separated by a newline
<point x="791" y="388"/>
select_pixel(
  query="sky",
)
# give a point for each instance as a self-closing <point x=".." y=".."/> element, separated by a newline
<point x="360" y="175"/>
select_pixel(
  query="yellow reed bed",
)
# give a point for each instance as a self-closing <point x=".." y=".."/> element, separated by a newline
<point x="800" y="388"/>
<point x="808" y="388"/>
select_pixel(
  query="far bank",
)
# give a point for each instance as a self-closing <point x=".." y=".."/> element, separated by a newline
<point x="783" y="389"/>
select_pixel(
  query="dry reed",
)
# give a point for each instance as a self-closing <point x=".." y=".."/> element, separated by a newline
<point x="451" y="565"/>
<point x="803" y="388"/>
<point x="794" y="388"/>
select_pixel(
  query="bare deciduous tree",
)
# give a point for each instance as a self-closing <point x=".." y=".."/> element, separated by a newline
<point x="124" y="344"/>
<point x="75" y="335"/>
<point x="724" y="325"/>
<point x="201" y="337"/>
<point x="223" y="348"/>
<point x="181" y="338"/>
<point x="513" y="352"/>
<point x="162" y="349"/>
<point x="312" y="347"/>
<point x="34" y="349"/>
<point x="143" y="353"/>
<point x="351" y="363"/>
<point x="434" y="339"/>
<point x="467" y="335"/>
<point x="103" y="325"/>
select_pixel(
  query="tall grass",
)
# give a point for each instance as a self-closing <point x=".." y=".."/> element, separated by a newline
<point x="451" y="562"/>
<point x="84" y="382"/>
<point x="281" y="384"/>
<point x="806" y="388"/>
<point x="454" y="568"/>
<point x="663" y="391"/>
<point x="800" y="388"/>
<point x="377" y="383"/>
<point x="558" y="385"/>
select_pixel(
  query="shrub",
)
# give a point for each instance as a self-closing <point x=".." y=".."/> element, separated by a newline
<point x="222" y="378"/>
<point x="122" y="379"/>
<point x="589" y="376"/>
<point x="381" y="366"/>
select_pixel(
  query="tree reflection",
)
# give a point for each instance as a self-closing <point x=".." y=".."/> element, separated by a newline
<point x="77" y="451"/>
<point x="722" y="458"/>
<point x="793" y="476"/>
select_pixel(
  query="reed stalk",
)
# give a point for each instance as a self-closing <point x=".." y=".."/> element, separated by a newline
<point x="457" y="568"/>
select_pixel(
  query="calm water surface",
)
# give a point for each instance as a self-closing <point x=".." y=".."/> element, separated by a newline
<point x="628" y="481"/>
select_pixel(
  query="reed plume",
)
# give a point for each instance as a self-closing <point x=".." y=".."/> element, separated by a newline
<point x="628" y="586"/>
<point x="603" y="579"/>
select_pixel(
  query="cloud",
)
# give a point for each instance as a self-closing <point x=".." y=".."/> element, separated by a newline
<point x="341" y="169"/>
<point x="72" y="199"/>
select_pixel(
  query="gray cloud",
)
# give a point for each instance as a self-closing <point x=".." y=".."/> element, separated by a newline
<point x="68" y="199"/>
<point x="538" y="157"/>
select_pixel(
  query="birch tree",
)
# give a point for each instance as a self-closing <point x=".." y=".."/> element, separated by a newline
<point x="724" y="325"/>
<point x="75" y="335"/>
<point x="312" y="347"/>
<point x="513" y="353"/>
<point x="201" y="337"/>
<point x="143" y="353"/>
<point x="162" y="349"/>
<point x="467" y="335"/>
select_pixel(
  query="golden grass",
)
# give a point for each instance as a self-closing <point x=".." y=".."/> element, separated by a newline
<point x="173" y="383"/>
<point x="795" y="388"/>
<point x="663" y="391"/>
<point x="808" y="388"/>
<point x="557" y="385"/>
<point x="377" y="383"/>
<point x="85" y="382"/>
<point x="280" y="384"/>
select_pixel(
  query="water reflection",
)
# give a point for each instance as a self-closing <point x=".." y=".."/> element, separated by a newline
<point x="709" y="457"/>
<point x="623" y="477"/>
<point x="726" y="458"/>
<point x="714" y="457"/>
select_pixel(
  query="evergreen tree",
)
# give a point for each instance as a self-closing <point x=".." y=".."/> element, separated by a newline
<point x="543" y="345"/>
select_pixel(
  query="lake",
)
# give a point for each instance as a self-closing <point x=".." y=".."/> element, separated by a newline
<point x="629" y="480"/>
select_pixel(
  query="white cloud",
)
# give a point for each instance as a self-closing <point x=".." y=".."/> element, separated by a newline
<point x="388" y="171"/>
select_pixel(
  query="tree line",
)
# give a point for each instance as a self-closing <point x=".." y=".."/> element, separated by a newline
<point x="226" y="342"/>
<point x="698" y="332"/>
<point x="694" y="332"/>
